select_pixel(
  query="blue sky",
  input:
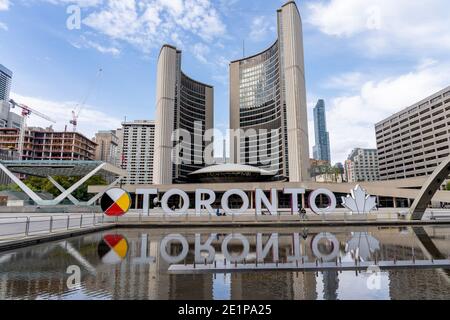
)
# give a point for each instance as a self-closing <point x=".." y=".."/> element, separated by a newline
<point x="366" y="58"/>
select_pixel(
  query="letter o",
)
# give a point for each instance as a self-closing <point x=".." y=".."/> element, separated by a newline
<point x="244" y="198"/>
<point x="332" y="198"/>
<point x="315" y="246"/>
<point x="244" y="242"/>
<point x="171" y="238"/>
<point x="175" y="192"/>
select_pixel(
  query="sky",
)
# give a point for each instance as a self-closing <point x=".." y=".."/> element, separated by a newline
<point x="366" y="58"/>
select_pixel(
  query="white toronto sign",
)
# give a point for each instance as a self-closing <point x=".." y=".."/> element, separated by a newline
<point x="358" y="202"/>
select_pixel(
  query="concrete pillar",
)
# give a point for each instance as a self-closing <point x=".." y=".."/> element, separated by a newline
<point x="165" y="113"/>
<point x="136" y="196"/>
<point x="294" y="72"/>
<point x="395" y="203"/>
<point x="303" y="201"/>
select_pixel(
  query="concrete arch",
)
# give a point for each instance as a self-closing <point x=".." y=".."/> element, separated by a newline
<point x="429" y="189"/>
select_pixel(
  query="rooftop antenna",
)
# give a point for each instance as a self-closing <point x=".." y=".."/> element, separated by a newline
<point x="243" y="48"/>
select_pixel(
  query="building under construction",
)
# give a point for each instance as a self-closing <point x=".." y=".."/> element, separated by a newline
<point x="47" y="144"/>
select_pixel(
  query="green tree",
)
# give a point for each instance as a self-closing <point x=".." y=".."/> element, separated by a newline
<point x="448" y="186"/>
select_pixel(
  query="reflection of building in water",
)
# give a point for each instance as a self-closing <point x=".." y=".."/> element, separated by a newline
<point x="276" y="285"/>
<point x="262" y="286"/>
<point x="304" y="286"/>
<point x="418" y="285"/>
<point x="40" y="271"/>
<point x="330" y="285"/>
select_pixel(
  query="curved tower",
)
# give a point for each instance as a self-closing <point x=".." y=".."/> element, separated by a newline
<point x="268" y="111"/>
<point x="183" y="105"/>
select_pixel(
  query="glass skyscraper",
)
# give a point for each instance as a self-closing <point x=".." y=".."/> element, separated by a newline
<point x="268" y="113"/>
<point x="322" y="147"/>
<point x="5" y="82"/>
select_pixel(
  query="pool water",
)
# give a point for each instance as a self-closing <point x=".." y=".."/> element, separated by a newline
<point x="135" y="263"/>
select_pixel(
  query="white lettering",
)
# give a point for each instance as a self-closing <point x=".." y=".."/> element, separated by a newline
<point x="204" y="203"/>
<point x="171" y="193"/>
<point x="230" y="193"/>
<point x="294" y="193"/>
<point x="146" y="193"/>
<point x="271" y="206"/>
<point x="331" y="198"/>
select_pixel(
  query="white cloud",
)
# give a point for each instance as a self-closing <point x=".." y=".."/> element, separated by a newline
<point x="261" y="28"/>
<point x="352" y="118"/>
<point x="4" y="5"/>
<point x="3" y="26"/>
<point x="83" y="42"/>
<point x="348" y="80"/>
<point x="226" y="6"/>
<point x="384" y="25"/>
<point x="91" y="119"/>
<point x="146" y="24"/>
<point x="201" y="51"/>
<point x="80" y="3"/>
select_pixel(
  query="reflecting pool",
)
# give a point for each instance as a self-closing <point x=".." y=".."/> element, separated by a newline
<point x="138" y="264"/>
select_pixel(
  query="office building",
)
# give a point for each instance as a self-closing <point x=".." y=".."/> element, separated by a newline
<point x="414" y="141"/>
<point x="268" y="112"/>
<point x="5" y="83"/>
<point x="362" y="166"/>
<point x="322" y="147"/>
<point x="185" y="106"/>
<point x="47" y="144"/>
<point x="9" y="119"/>
<point x="138" y="150"/>
<point x="107" y="147"/>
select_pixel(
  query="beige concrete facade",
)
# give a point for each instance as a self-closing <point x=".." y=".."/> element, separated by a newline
<point x="405" y="189"/>
<point x="416" y="140"/>
<point x="362" y="165"/>
<point x="165" y="110"/>
<point x="268" y="92"/>
<point x="181" y="102"/>
<point x="107" y="147"/>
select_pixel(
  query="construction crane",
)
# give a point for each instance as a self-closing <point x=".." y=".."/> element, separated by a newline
<point x="79" y="107"/>
<point x="26" y="112"/>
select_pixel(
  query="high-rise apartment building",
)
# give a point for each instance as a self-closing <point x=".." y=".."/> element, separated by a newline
<point x="362" y="166"/>
<point x="107" y="147"/>
<point x="413" y="142"/>
<point x="138" y="150"/>
<point x="322" y="147"/>
<point x="268" y="112"/>
<point x="183" y="106"/>
<point x="5" y="83"/>
<point x="47" y="144"/>
<point x="9" y="119"/>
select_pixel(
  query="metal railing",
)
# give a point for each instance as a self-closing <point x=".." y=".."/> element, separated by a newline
<point x="26" y="226"/>
<point x="280" y="217"/>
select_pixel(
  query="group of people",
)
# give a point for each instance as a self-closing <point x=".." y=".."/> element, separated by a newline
<point x="302" y="213"/>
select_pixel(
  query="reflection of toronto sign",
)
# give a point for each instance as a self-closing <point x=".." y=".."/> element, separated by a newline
<point x="324" y="246"/>
<point x="358" y="202"/>
<point x="207" y="251"/>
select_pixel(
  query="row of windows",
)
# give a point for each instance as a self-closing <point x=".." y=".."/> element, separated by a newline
<point x="414" y="114"/>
